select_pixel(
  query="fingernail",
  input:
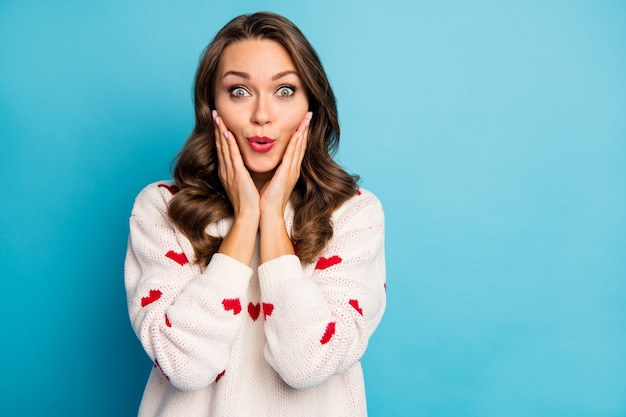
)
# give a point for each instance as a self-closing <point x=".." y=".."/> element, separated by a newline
<point x="309" y="115"/>
<point x="214" y="114"/>
<point x="299" y="135"/>
<point x="226" y="135"/>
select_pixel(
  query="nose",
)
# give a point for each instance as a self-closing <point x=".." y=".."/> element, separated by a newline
<point x="261" y="114"/>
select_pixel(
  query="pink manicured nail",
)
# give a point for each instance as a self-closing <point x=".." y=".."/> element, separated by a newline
<point x="214" y="114"/>
<point x="226" y="135"/>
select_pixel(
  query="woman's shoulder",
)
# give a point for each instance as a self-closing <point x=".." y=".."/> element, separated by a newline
<point x="363" y="203"/>
<point x="363" y="197"/>
<point x="154" y="198"/>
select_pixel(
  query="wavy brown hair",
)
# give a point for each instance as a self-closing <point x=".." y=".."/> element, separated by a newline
<point x="323" y="185"/>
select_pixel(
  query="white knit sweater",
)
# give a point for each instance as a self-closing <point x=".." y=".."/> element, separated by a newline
<point x="278" y="339"/>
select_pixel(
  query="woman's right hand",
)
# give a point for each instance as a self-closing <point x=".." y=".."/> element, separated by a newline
<point x="240" y="240"/>
<point x="236" y="179"/>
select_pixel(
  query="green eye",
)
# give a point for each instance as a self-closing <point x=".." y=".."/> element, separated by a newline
<point x="238" y="92"/>
<point x="286" y="91"/>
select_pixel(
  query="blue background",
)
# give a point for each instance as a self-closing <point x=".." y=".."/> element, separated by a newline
<point x="493" y="132"/>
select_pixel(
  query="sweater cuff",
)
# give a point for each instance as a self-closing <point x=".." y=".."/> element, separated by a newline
<point x="228" y="271"/>
<point x="277" y="271"/>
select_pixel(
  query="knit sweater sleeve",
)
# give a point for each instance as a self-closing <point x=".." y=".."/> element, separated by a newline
<point x="320" y="317"/>
<point x="185" y="318"/>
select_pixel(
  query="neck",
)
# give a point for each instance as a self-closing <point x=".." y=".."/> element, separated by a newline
<point x="260" y="179"/>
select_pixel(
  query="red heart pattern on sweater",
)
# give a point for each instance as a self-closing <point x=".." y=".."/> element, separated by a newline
<point x="156" y="365"/>
<point x="232" y="304"/>
<point x="267" y="310"/>
<point x="328" y="334"/>
<point x="151" y="298"/>
<point x="179" y="258"/>
<point x="167" y="321"/>
<point x="173" y="189"/>
<point x="254" y="310"/>
<point x="220" y="375"/>
<point x="324" y="263"/>
<point x="355" y="304"/>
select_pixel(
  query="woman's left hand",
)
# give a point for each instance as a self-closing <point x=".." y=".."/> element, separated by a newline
<point x="276" y="193"/>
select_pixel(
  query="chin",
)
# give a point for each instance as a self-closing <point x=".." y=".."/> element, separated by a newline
<point x="261" y="165"/>
<point x="260" y="168"/>
<point x="261" y="171"/>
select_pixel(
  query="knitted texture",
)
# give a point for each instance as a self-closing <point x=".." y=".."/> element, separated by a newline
<point x="277" y="339"/>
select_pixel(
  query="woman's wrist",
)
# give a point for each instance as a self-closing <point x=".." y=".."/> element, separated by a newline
<point x="248" y="215"/>
<point x="271" y="218"/>
<point x="274" y="240"/>
<point x="240" y="240"/>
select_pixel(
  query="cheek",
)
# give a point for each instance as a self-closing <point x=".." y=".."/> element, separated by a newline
<point x="296" y="115"/>
<point x="227" y="114"/>
<point x="223" y="103"/>
<point x="294" y="123"/>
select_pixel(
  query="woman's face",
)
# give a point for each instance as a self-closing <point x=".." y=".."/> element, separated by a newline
<point x="261" y="99"/>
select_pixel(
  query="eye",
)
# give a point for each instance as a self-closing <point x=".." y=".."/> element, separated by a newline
<point x="238" y="92"/>
<point x="286" y="91"/>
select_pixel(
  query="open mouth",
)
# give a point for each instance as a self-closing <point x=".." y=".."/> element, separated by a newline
<point x="261" y="144"/>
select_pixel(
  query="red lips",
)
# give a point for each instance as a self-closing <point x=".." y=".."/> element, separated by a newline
<point x="261" y="144"/>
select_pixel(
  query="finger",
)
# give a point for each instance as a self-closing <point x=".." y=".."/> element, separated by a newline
<point x="233" y="151"/>
<point x="300" y="141"/>
<point x="293" y="141"/>
<point x="229" y="145"/>
<point x="303" y="140"/>
<point x="235" y="171"/>
<point x="222" y="170"/>
<point x="222" y="143"/>
<point x="216" y="131"/>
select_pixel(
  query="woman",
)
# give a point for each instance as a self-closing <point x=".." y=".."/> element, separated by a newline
<point x="255" y="280"/>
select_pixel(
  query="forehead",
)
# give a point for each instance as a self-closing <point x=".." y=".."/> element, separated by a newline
<point x="257" y="57"/>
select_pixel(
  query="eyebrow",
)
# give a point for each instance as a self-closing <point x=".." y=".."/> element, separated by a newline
<point x="247" y="76"/>
<point x="283" y="74"/>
